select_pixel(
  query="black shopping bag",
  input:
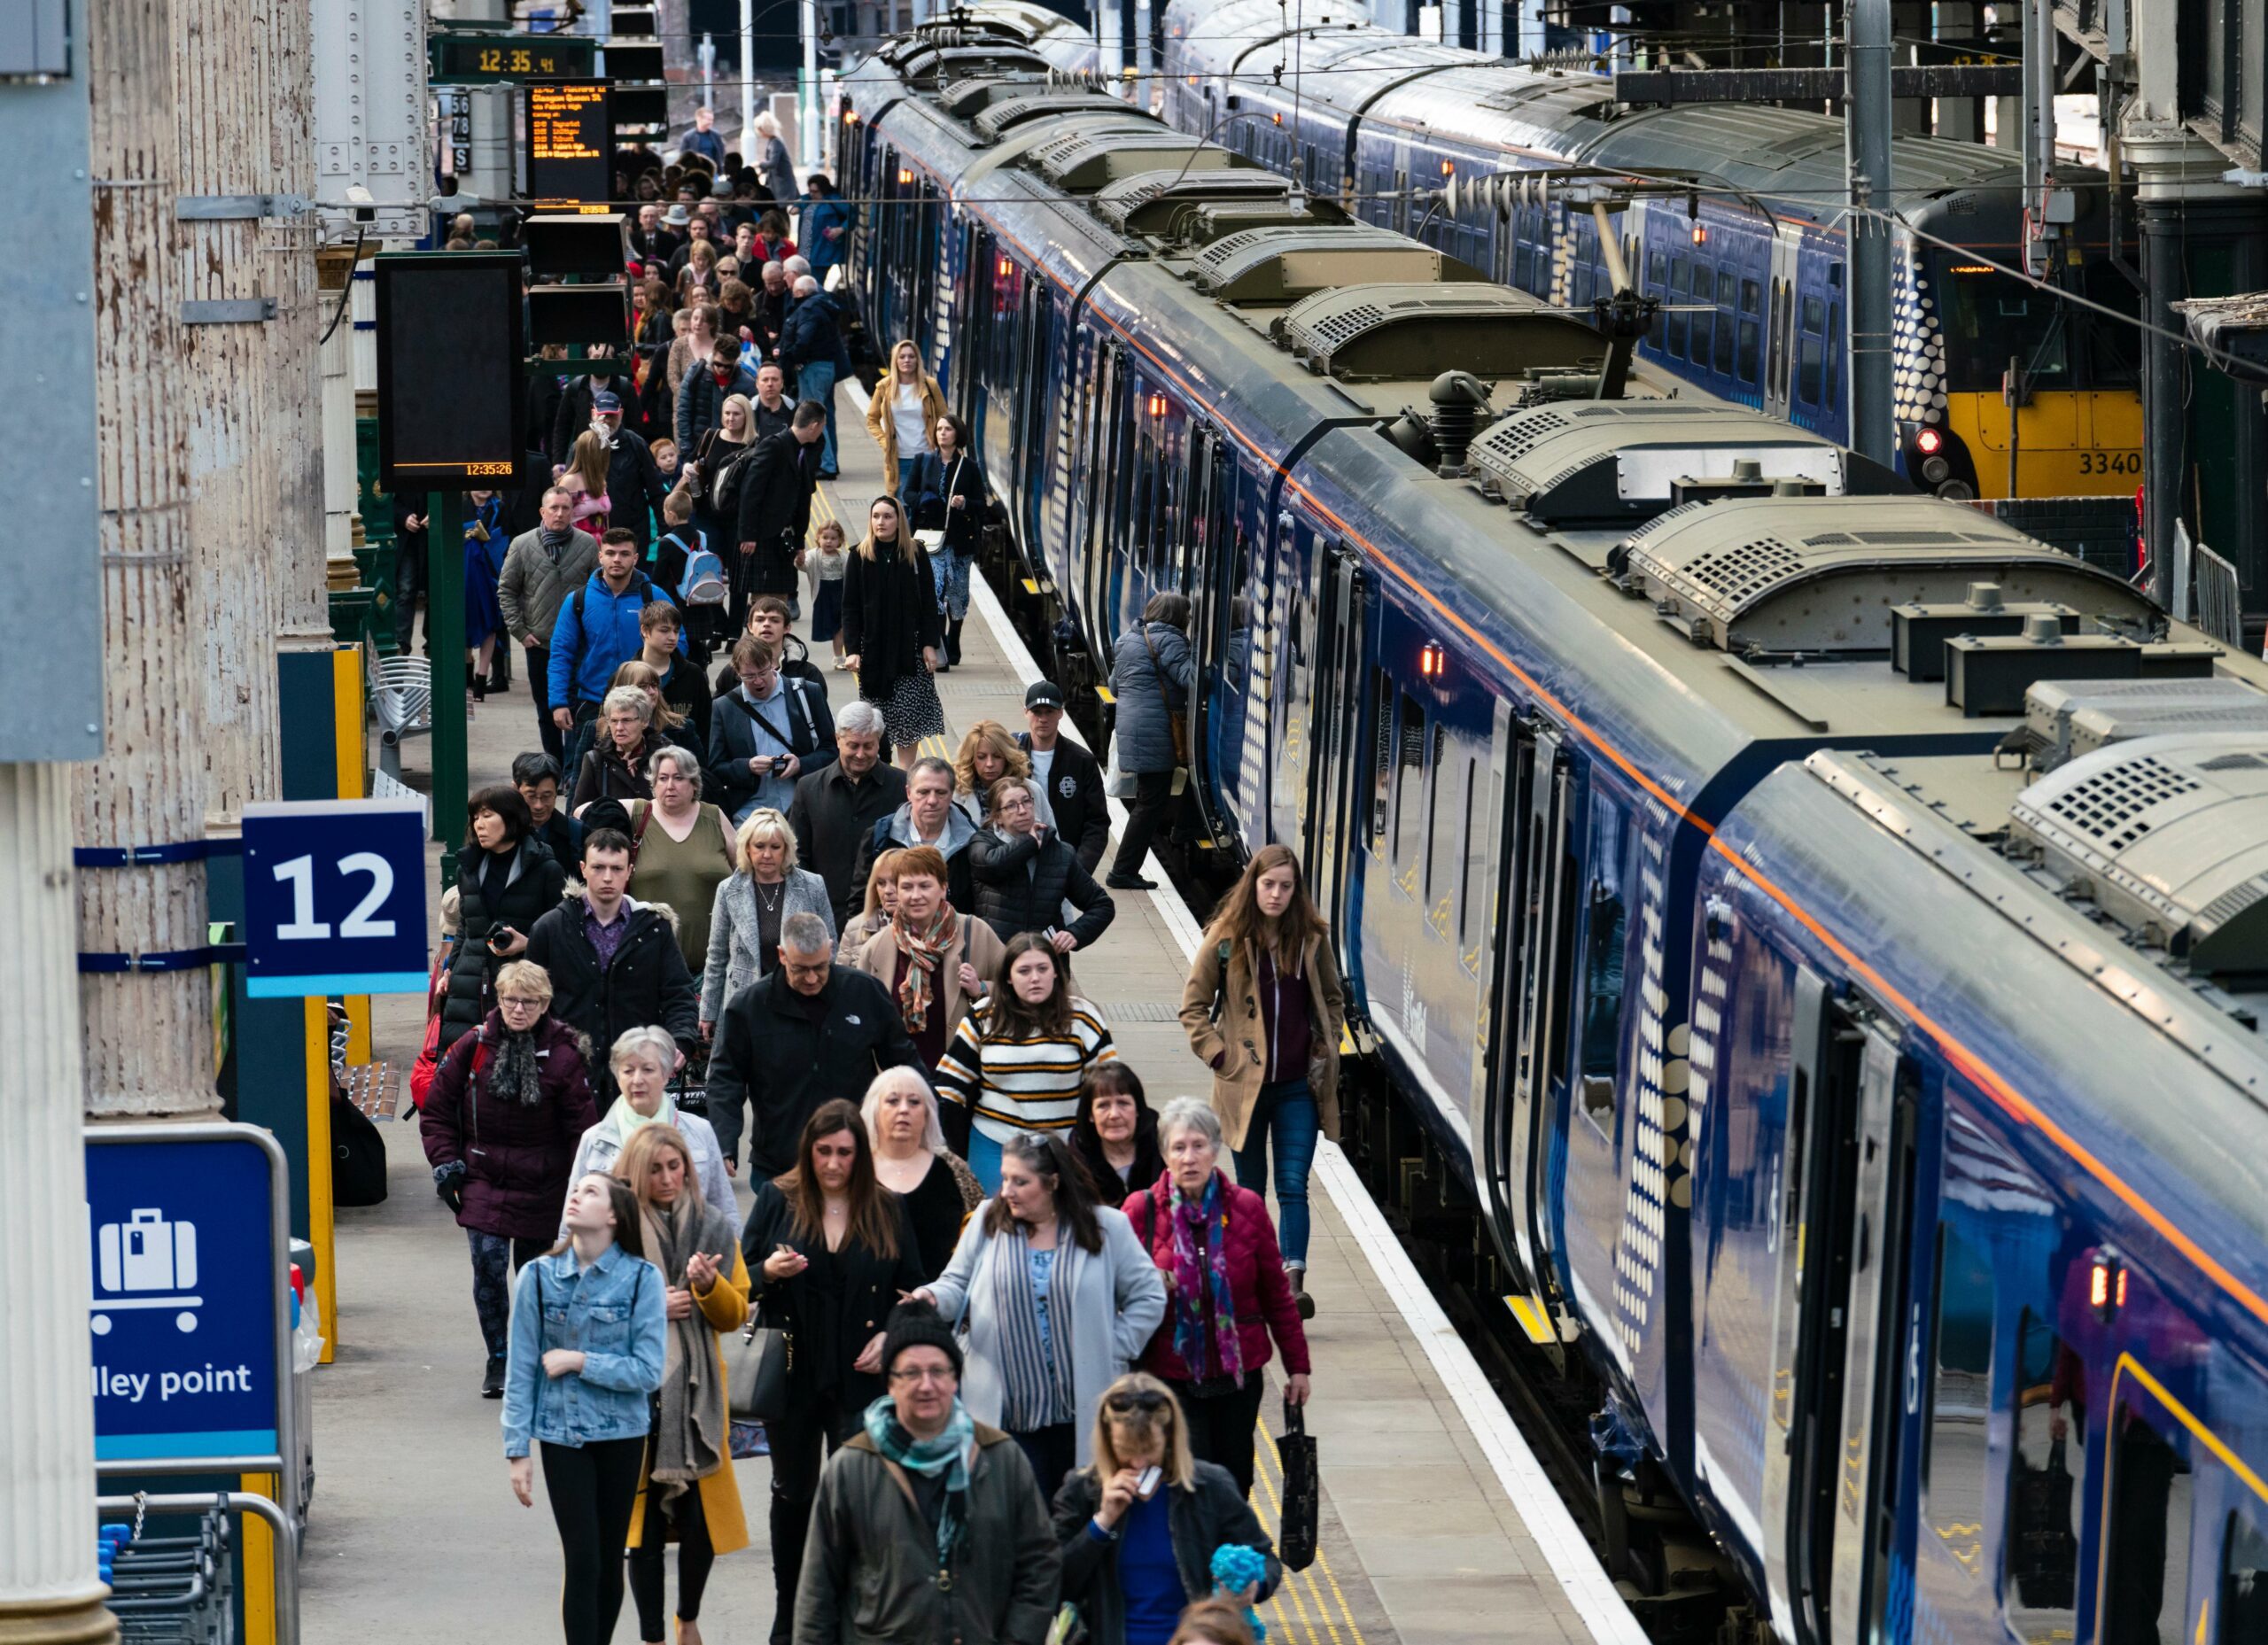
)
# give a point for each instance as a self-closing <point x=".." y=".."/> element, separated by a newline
<point x="1302" y="1491"/>
<point x="2043" y="1554"/>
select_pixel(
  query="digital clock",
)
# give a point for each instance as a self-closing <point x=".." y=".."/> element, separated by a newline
<point x="480" y="59"/>
<point x="451" y="370"/>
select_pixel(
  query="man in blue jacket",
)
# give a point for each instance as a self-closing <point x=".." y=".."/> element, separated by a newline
<point x="826" y="235"/>
<point x="596" y="632"/>
<point x="811" y="344"/>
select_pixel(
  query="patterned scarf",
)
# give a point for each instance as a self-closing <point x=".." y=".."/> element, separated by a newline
<point x="1204" y="1304"/>
<point x="925" y="952"/>
<point x="517" y="1072"/>
<point x="946" y="1454"/>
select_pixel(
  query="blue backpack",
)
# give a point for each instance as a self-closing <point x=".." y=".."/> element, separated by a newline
<point x="703" y="581"/>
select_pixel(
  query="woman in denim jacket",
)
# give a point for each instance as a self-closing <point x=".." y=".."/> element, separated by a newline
<point x="588" y="1334"/>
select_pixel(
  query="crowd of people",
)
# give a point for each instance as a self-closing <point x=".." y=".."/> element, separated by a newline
<point x="998" y="1322"/>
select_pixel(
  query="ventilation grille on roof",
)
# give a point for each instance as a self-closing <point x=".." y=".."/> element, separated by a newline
<point x="2233" y="901"/>
<point x="1734" y="574"/>
<point x="1515" y="437"/>
<point x="1653" y="408"/>
<point x="2234" y="761"/>
<point x="1335" y="330"/>
<point x="1901" y="540"/>
<point x="2109" y="806"/>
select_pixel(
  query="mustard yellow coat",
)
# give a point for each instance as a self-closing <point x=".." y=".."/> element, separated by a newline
<point x="725" y="1306"/>
<point x="884" y="425"/>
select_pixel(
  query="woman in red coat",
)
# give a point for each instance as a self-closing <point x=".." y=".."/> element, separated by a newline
<point x="509" y="1104"/>
<point x="1226" y="1290"/>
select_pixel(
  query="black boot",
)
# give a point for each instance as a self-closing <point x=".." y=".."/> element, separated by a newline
<point x="791" y="1523"/>
<point x="1300" y="1297"/>
<point x="492" y="1381"/>
<point x="952" y="639"/>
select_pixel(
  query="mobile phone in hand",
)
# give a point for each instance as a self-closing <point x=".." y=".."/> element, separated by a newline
<point x="1145" y="1486"/>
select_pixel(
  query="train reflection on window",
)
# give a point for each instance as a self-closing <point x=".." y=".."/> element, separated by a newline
<point x="2146" y="1580"/>
<point x="1954" y="1447"/>
<point x="1381" y="761"/>
<point x="1992" y="318"/>
<point x="1606" y="931"/>
<point x="2244" y="1582"/>
<point x="2046" y="1483"/>
<point x="1409" y="799"/>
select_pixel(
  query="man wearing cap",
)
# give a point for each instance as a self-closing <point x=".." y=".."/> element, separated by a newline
<point x="1065" y="778"/>
<point x="634" y="481"/>
<point x="702" y="139"/>
<point x="929" y="1524"/>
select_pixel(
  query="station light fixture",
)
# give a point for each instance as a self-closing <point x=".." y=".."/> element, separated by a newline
<point x="1700" y="234"/>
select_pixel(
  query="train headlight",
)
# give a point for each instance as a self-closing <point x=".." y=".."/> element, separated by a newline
<point x="1929" y="442"/>
<point x="1957" y="491"/>
<point x="1935" y="469"/>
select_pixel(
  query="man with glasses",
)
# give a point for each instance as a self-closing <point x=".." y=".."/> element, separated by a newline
<point x="927" y="1516"/>
<point x="809" y="1033"/>
<point x="765" y="734"/>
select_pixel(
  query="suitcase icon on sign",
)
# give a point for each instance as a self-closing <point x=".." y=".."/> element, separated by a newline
<point x="146" y="1263"/>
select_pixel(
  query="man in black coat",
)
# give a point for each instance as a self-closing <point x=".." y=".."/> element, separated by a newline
<point x="1067" y="776"/>
<point x="836" y="808"/>
<point x="614" y="964"/>
<point x="809" y="1033"/>
<point x="775" y="511"/>
<point x="634" y="481"/>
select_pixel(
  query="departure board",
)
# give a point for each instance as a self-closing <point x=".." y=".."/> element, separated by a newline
<point x="452" y="371"/>
<point x="570" y="142"/>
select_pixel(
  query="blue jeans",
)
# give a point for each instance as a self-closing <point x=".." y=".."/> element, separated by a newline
<point x="816" y="381"/>
<point x="1288" y="1108"/>
<point x="984" y="1160"/>
<point x="904" y="473"/>
<point x="951" y="569"/>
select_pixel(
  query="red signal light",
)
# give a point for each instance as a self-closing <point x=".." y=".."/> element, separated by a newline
<point x="1928" y="442"/>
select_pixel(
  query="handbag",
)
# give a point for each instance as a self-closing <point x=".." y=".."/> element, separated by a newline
<point x="428" y="1064"/>
<point x="757" y="1361"/>
<point x="2044" y="1552"/>
<point x="1302" y="1513"/>
<point x="1173" y="720"/>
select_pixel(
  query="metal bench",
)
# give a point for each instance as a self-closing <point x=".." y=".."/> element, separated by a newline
<point x="401" y="701"/>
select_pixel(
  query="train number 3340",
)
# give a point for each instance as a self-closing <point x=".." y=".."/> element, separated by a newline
<point x="2111" y="463"/>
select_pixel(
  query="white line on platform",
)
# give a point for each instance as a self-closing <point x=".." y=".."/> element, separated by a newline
<point x="1557" y="1536"/>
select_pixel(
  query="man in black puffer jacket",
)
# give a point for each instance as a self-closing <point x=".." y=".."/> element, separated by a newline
<point x="614" y="963"/>
<point x="1025" y="873"/>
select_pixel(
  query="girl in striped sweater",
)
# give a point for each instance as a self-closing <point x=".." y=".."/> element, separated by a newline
<point x="1018" y="1058"/>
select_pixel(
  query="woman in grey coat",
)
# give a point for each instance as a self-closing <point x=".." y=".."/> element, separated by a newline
<point x="744" y="923"/>
<point x="1060" y="1298"/>
<point x="1152" y="673"/>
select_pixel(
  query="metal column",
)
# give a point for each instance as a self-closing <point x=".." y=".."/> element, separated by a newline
<point x="445" y="634"/>
<point x="1867" y="156"/>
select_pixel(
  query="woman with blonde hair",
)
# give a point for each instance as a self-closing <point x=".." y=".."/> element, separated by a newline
<point x="881" y="903"/>
<point x="891" y="628"/>
<point x="751" y="906"/>
<point x="911" y="1159"/>
<point x="905" y="405"/>
<point x="1127" y="1552"/>
<point x="686" y="1493"/>
<point x="583" y="476"/>
<point x="771" y="158"/>
<point x="987" y="753"/>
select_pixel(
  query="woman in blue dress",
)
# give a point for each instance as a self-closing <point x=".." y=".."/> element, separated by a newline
<point x="486" y="540"/>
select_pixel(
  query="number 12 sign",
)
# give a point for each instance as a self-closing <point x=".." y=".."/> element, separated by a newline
<point x="334" y="897"/>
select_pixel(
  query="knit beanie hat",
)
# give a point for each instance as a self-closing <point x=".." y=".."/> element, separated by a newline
<point x="918" y="1325"/>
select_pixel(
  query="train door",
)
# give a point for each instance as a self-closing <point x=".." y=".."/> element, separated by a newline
<point x="1540" y="922"/>
<point x="1341" y="616"/>
<point x="1779" y="323"/>
<point x="1839" y="1313"/>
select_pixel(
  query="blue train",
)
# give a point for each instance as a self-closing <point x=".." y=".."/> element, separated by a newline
<point x="1750" y="269"/>
<point x="1818" y="931"/>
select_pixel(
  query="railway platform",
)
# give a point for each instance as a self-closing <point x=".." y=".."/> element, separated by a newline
<point x="1438" y="1525"/>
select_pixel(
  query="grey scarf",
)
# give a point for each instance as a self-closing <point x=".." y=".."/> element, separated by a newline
<point x="1037" y="1381"/>
<point x="689" y="1437"/>
<point x="517" y="1075"/>
<point x="554" y="543"/>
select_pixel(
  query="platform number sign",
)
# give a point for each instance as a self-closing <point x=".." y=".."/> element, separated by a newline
<point x="335" y="897"/>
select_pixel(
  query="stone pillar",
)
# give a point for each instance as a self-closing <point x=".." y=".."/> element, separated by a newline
<point x="49" y="1593"/>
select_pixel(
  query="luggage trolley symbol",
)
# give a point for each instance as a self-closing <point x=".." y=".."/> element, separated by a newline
<point x="146" y="1263"/>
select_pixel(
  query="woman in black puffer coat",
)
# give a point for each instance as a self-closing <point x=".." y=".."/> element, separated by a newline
<point x="1025" y="873"/>
<point x="506" y="879"/>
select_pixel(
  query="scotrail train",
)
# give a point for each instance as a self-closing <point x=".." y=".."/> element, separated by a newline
<point x="1750" y="270"/>
<point x="1819" y="929"/>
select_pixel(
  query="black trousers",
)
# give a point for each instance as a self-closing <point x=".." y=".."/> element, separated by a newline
<point x="1152" y="804"/>
<point x="1053" y="1452"/>
<point x="409" y="573"/>
<point x="1221" y="1428"/>
<point x="593" y="1489"/>
<point x="796" y="1455"/>
<point x="555" y="740"/>
<point x="695" y="1557"/>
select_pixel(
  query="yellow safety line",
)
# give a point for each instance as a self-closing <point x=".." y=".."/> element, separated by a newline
<point x="1293" y="1579"/>
<point x="1322" y="1559"/>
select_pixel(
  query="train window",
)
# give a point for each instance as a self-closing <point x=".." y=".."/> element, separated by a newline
<point x="2244" y="1582"/>
<point x="1815" y="315"/>
<point x="1775" y="354"/>
<point x="1470" y="831"/>
<point x="1752" y="299"/>
<point x="2047" y="1482"/>
<point x="1381" y="761"/>
<point x="1676" y="296"/>
<point x="1656" y="287"/>
<point x="1409" y="795"/>
<point x="1524" y="266"/>
<point x="1605" y="937"/>
<point x="2146" y="1587"/>
<point x="1728" y="290"/>
<point x="1442" y="841"/>
<point x="1704" y="315"/>
<point x="1581" y="294"/>
<point x="1954" y="1453"/>
<point x="1833" y="351"/>
<point x="1807" y="369"/>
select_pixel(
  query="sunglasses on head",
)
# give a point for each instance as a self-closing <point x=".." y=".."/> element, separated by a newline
<point x="1142" y="1400"/>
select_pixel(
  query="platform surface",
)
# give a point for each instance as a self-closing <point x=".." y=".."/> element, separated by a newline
<point x="1429" y="1534"/>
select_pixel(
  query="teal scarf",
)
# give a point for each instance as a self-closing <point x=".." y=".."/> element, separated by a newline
<point x="946" y="1454"/>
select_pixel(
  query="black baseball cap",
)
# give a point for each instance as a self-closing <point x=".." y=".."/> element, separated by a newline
<point x="1044" y="694"/>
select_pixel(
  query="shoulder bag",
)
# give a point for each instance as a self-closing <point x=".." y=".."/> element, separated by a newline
<point x="758" y="1361"/>
<point x="1295" y="1454"/>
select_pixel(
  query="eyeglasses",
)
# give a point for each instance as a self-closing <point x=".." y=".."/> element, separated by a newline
<point x="1141" y="1400"/>
<point x="515" y="999"/>
<point x="940" y="1376"/>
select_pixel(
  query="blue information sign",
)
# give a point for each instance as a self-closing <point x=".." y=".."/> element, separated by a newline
<point x="334" y="897"/>
<point x="185" y="1295"/>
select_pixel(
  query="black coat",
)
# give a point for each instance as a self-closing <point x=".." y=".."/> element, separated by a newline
<point x="605" y="775"/>
<point x="775" y="509"/>
<point x="647" y="985"/>
<point x="634" y="487"/>
<point x="515" y="1157"/>
<point x="889" y="612"/>
<point x="930" y="489"/>
<point x="871" y="1283"/>
<point x="1023" y="882"/>
<point x="833" y="815"/>
<point x="773" y="1057"/>
<point x="1075" y="799"/>
<point x="537" y="880"/>
<point x="1201" y="1520"/>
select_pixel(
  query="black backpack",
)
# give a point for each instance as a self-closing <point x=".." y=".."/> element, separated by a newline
<point x="639" y="581"/>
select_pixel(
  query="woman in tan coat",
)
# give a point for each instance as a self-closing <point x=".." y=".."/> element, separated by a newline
<point x="1263" y="1008"/>
<point x="906" y="406"/>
